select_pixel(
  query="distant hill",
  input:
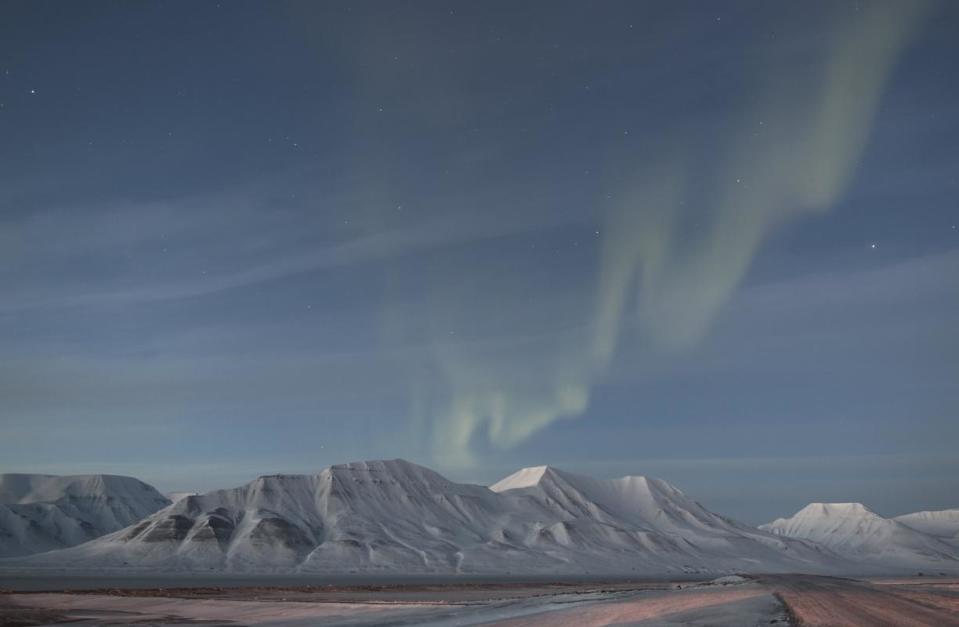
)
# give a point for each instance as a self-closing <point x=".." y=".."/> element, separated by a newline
<point x="944" y="524"/>
<point x="47" y="512"/>
<point x="861" y="535"/>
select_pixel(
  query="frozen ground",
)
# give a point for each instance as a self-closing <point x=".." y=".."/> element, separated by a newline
<point x="768" y="600"/>
<point x="728" y="603"/>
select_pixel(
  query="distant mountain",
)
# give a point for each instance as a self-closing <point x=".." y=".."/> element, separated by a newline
<point x="648" y="525"/>
<point x="859" y="534"/>
<point x="944" y="524"/>
<point x="46" y="512"/>
<point x="176" y="496"/>
<point x="383" y="516"/>
<point x="397" y="517"/>
<point x="394" y="517"/>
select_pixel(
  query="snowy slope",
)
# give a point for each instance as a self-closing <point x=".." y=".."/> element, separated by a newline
<point x="654" y="523"/>
<point x="397" y="517"/>
<point x="944" y="524"/>
<point x="45" y="512"/>
<point x="380" y="516"/>
<point x="858" y="533"/>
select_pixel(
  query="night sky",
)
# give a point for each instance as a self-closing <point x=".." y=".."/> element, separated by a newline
<point x="714" y="242"/>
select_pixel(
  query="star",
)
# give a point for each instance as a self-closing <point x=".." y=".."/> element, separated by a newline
<point x="873" y="245"/>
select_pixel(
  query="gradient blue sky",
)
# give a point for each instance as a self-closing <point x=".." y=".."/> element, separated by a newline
<point x="711" y="242"/>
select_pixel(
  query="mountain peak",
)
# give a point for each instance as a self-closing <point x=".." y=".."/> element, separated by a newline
<point x="836" y="509"/>
<point x="854" y="530"/>
<point x="395" y="467"/>
<point x="524" y="478"/>
<point x="379" y="465"/>
<point x="397" y="471"/>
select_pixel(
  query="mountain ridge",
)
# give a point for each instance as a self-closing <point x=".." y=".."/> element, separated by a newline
<point x="858" y="533"/>
<point x="41" y="512"/>
<point x="943" y="524"/>
<point x="394" y="516"/>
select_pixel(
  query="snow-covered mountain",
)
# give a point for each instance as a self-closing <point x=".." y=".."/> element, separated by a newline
<point x="394" y="517"/>
<point x="648" y="525"/>
<point x="46" y="512"/>
<point x="397" y="517"/>
<point x="944" y="524"/>
<point x="390" y="516"/>
<point x="858" y="533"/>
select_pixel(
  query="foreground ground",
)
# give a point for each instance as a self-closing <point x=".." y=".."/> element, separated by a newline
<point x="832" y="601"/>
<point x="771" y="600"/>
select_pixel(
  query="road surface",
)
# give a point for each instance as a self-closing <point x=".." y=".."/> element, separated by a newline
<point x="836" y="602"/>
